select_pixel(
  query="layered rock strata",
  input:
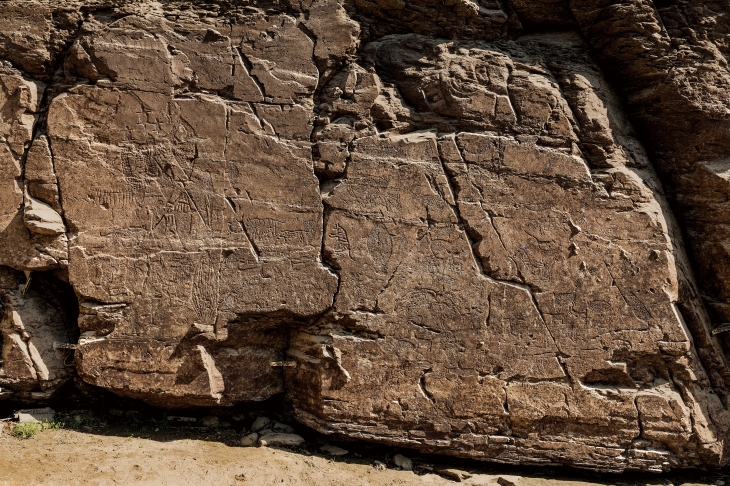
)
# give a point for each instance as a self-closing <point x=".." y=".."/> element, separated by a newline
<point x="437" y="215"/>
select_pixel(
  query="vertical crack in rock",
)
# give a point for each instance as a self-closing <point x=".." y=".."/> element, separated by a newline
<point x="41" y="308"/>
<point x="491" y="222"/>
<point x="468" y="232"/>
<point x="422" y="386"/>
<point x="249" y="70"/>
<point x="254" y="250"/>
<point x="191" y="230"/>
<point x="462" y="225"/>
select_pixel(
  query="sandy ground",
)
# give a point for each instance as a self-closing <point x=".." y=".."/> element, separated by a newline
<point x="123" y="455"/>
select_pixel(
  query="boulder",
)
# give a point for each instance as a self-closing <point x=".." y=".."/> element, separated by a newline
<point x="260" y="423"/>
<point x="444" y="226"/>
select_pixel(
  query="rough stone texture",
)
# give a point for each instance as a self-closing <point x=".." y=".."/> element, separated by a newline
<point x="32" y="319"/>
<point x="512" y="286"/>
<point x="439" y="212"/>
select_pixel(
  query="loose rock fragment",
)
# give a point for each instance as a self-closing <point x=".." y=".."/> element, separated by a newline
<point x="493" y="480"/>
<point x="334" y="450"/>
<point x="41" y="218"/>
<point x="455" y="474"/>
<point x="175" y="418"/>
<point x="260" y="423"/>
<point x="281" y="440"/>
<point x="403" y="462"/>
<point x="249" y="439"/>
<point x="509" y="480"/>
<point x="281" y="428"/>
<point x="45" y="414"/>
<point x="209" y="421"/>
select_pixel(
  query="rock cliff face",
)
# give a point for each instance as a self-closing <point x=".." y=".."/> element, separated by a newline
<point x="491" y="229"/>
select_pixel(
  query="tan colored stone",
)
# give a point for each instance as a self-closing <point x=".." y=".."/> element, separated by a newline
<point x="40" y="218"/>
<point x="40" y="176"/>
<point x="447" y="232"/>
<point x="224" y="251"/>
<point x="33" y="318"/>
<point x="500" y="269"/>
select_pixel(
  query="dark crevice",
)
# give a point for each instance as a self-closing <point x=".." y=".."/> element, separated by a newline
<point x="471" y="235"/>
<point x="249" y="70"/>
<point x="608" y="378"/>
<point x="53" y="89"/>
<point x="536" y="17"/>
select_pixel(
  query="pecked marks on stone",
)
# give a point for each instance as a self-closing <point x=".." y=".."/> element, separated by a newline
<point x="213" y="207"/>
<point x="499" y="292"/>
<point x="509" y="283"/>
<point x="670" y="61"/>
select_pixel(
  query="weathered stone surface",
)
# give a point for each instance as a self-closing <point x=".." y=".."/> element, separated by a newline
<point x="45" y="414"/>
<point x="260" y="423"/>
<point x="281" y="440"/>
<point x="403" y="462"/>
<point x="33" y="35"/>
<point x="40" y="246"/>
<point x="512" y="279"/>
<point x="210" y="232"/>
<point x="34" y="316"/>
<point x="334" y="450"/>
<point x="435" y="215"/>
<point x="670" y="60"/>
<point x="249" y="440"/>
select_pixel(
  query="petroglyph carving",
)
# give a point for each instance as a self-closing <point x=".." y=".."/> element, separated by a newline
<point x="430" y="224"/>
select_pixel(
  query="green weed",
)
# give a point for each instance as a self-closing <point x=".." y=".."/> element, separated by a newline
<point x="27" y="430"/>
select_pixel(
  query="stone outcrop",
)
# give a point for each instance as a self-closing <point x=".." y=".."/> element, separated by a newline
<point x="457" y="228"/>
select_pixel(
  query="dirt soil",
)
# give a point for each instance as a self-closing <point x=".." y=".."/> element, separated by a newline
<point x="91" y="451"/>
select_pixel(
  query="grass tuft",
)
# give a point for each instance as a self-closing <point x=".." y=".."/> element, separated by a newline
<point x="27" y="430"/>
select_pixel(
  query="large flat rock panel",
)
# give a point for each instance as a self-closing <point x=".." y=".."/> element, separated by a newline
<point x="436" y="215"/>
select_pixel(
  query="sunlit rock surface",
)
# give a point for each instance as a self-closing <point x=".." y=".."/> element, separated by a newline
<point x="460" y="229"/>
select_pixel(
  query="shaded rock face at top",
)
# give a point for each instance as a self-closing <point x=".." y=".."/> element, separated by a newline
<point x="461" y="230"/>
